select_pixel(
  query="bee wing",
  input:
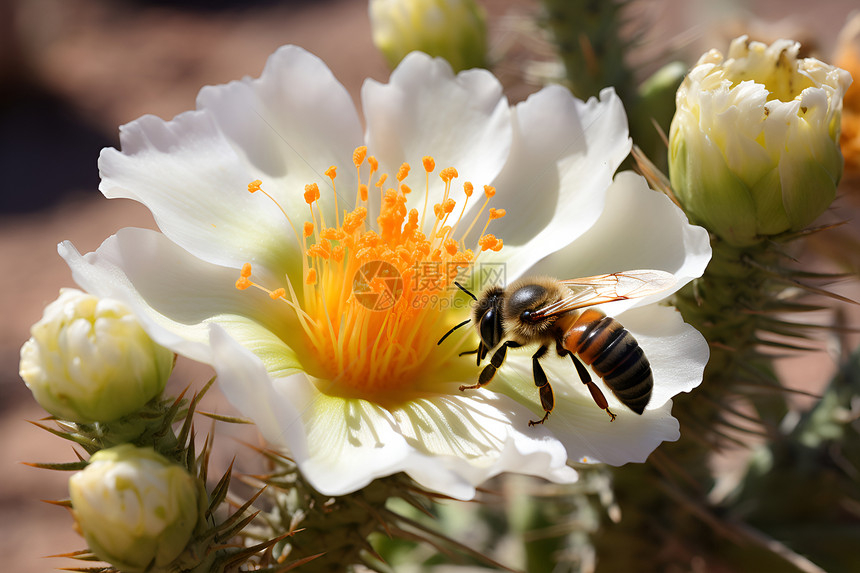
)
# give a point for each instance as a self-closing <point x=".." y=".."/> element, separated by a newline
<point x="599" y="289"/>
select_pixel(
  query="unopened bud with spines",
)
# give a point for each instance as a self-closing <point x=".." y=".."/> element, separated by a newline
<point x="89" y="360"/>
<point x="136" y="509"/>
<point x="754" y="144"/>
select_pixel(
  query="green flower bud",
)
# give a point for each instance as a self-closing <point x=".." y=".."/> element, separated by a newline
<point x="754" y="144"/>
<point x="135" y="508"/>
<point x="88" y="360"/>
<point x="452" y="29"/>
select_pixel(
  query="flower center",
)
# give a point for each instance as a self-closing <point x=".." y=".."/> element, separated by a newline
<point x="374" y="296"/>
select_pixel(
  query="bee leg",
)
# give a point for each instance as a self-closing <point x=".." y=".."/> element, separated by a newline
<point x="596" y="394"/>
<point x="495" y="363"/>
<point x="547" y="400"/>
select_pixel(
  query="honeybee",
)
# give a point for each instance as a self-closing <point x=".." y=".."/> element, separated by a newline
<point x="548" y="311"/>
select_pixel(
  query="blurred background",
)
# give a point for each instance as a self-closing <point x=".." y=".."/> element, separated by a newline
<point x="72" y="71"/>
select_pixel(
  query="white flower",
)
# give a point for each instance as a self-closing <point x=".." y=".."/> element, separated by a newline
<point x="136" y="509"/>
<point x="356" y="393"/>
<point x="89" y="360"/>
<point x="754" y="144"/>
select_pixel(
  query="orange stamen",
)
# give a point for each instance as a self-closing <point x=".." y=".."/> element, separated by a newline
<point x="312" y="193"/>
<point x="278" y="293"/>
<point x="361" y="303"/>
<point x="448" y="174"/>
<point x="358" y="155"/>
<point x="403" y="172"/>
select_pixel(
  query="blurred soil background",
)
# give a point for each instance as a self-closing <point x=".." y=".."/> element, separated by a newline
<point x="72" y="71"/>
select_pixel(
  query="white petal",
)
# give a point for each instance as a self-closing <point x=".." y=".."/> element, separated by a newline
<point x="192" y="172"/>
<point x="449" y="444"/>
<point x="639" y="229"/>
<point x="629" y="439"/>
<point x="291" y="124"/>
<point x="577" y="422"/>
<point x="462" y="121"/>
<point x="176" y="295"/>
<point x="554" y="184"/>
<point x="677" y="351"/>
<point x="474" y="436"/>
<point x="247" y="385"/>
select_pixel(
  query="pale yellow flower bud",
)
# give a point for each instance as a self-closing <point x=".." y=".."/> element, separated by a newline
<point x="452" y="29"/>
<point x="136" y="509"/>
<point x="754" y="144"/>
<point x="88" y="360"/>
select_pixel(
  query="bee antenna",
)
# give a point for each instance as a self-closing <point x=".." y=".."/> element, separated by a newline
<point x="465" y="290"/>
<point x="447" y="334"/>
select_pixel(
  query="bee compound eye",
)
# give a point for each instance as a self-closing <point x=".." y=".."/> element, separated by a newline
<point x="488" y="328"/>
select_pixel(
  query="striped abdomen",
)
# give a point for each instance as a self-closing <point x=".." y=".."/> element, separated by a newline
<point x="601" y="342"/>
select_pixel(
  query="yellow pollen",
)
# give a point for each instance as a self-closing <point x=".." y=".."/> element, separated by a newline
<point x="337" y="253"/>
<point x="448" y="174"/>
<point x="332" y="234"/>
<point x="312" y="193"/>
<point x="358" y="155"/>
<point x="351" y="221"/>
<point x="451" y="246"/>
<point x="372" y="292"/>
<point x="490" y="242"/>
<point x="403" y="172"/>
<point x="489" y="191"/>
<point x="254" y="186"/>
<point x="278" y="293"/>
